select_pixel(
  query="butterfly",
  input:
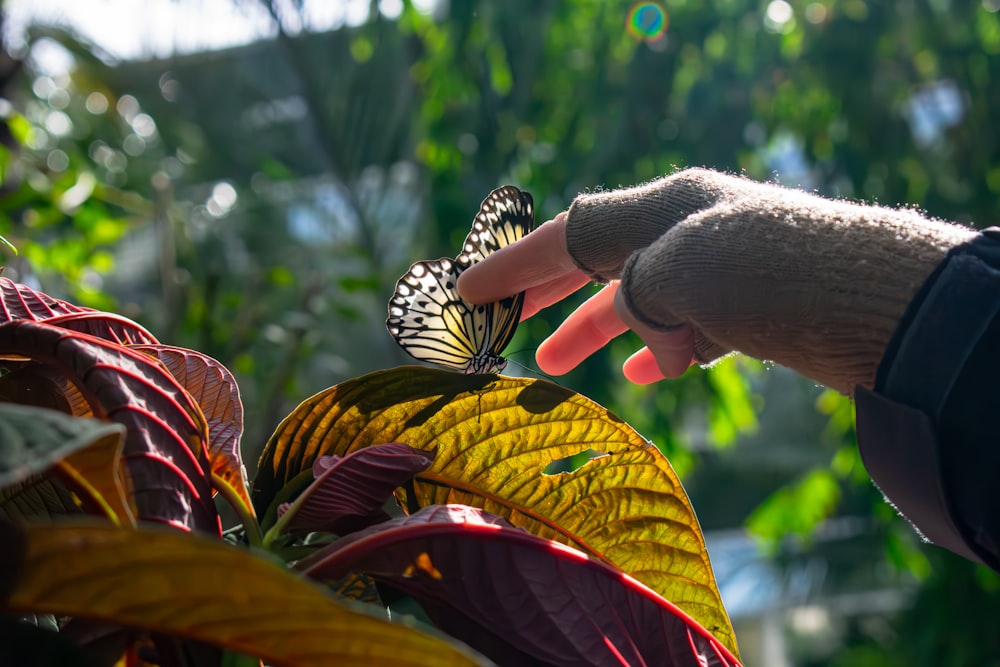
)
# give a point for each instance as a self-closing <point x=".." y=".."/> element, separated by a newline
<point x="433" y="323"/>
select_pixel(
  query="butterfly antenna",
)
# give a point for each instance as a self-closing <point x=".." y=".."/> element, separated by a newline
<point x="533" y="371"/>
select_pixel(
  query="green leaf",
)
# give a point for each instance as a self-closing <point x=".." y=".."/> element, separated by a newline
<point x="20" y="128"/>
<point x="732" y="413"/>
<point x="500" y="76"/>
<point x="493" y="439"/>
<point x="188" y="586"/>
<point x="796" y="509"/>
<point x="353" y="284"/>
<point x="10" y="245"/>
<point x="85" y="451"/>
<point x="34" y="439"/>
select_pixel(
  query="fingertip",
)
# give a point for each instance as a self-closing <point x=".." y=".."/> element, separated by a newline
<point x="478" y="284"/>
<point x="641" y="368"/>
<point x="672" y="348"/>
<point x="468" y="284"/>
<point x="536" y="259"/>
<point x="550" y="358"/>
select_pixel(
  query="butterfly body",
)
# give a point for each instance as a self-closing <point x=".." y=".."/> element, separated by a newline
<point x="429" y="319"/>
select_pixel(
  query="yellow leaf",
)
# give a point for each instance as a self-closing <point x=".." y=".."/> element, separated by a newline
<point x="96" y="470"/>
<point x="189" y="586"/>
<point x="493" y="438"/>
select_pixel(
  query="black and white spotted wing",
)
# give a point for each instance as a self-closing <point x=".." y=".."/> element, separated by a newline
<point x="433" y="323"/>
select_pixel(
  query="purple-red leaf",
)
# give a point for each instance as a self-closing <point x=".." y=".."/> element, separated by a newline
<point x="216" y="392"/>
<point x="349" y="491"/>
<point x="108" y="326"/>
<point x="165" y="455"/>
<point x="519" y="598"/>
<point x="20" y="302"/>
<point x="40" y="385"/>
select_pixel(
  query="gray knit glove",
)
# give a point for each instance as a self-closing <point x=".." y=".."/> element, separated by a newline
<point x="778" y="274"/>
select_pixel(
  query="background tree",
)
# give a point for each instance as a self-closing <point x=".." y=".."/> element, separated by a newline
<point x="259" y="202"/>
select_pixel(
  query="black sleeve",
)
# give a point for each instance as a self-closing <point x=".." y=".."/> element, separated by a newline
<point x="928" y="432"/>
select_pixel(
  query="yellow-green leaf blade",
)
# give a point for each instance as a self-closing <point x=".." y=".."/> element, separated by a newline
<point x="96" y="471"/>
<point x="189" y="586"/>
<point x="493" y="439"/>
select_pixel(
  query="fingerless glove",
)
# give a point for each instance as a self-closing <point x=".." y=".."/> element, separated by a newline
<point x="814" y="284"/>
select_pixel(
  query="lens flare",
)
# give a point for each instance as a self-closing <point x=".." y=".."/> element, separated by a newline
<point x="647" y="21"/>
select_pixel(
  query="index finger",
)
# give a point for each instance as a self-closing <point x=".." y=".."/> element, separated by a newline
<point x="538" y="258"/>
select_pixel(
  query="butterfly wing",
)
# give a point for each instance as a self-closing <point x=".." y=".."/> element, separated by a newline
<point x="433" y="323"/>
<point x="505" y="216"/>
<point x="428" y="318"/>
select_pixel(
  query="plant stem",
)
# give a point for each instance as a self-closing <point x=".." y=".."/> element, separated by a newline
<point x="244" y="511"/>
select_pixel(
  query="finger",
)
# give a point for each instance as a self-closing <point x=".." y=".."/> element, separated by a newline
<point x="641" y="368"/>
<point x="672" y="349"/>
<point x="586" y="330"/>
<point x="538" y="258"/>
<point x="542" y="296"/>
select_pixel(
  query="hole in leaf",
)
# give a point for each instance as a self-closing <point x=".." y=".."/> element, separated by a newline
<point x="572" y="462"/>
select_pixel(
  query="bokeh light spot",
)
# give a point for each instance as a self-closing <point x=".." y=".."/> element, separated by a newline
<point x="58" y="124"/>
<point x="779" y="16"/>
<point x="144" y="125"/>
<point x="647" y="21"/>
<point x="57" y="160"/>
<point x="134" y="145"/>
<point x="128" y="107"/>
<point x="222" y="201"/>
<point x="779" y="11"/>
<point x="817" y="12"/>
<point x="96" y="103"/>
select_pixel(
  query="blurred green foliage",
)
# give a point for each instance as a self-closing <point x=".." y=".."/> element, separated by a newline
<point x="258" y="203"/>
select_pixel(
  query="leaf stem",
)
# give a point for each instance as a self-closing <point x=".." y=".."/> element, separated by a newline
<point x="250" y="525"/>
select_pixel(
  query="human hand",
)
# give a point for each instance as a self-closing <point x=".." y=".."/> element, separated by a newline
<point x="541" y="266"/>
<point x="711" y="263"/>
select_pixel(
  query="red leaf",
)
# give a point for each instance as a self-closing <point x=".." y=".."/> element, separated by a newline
<point x="165" y="452"/>
<point x="349" y="491"/>
<point x="20" y="302"/>
<point x="40" y="385"/>
<point x="108" y="326"/>
<point x="519" y="598"/>
<point x="216" y="392"/>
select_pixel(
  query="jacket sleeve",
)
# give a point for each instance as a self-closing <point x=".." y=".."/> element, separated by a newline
<point x="928" y="432"/>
